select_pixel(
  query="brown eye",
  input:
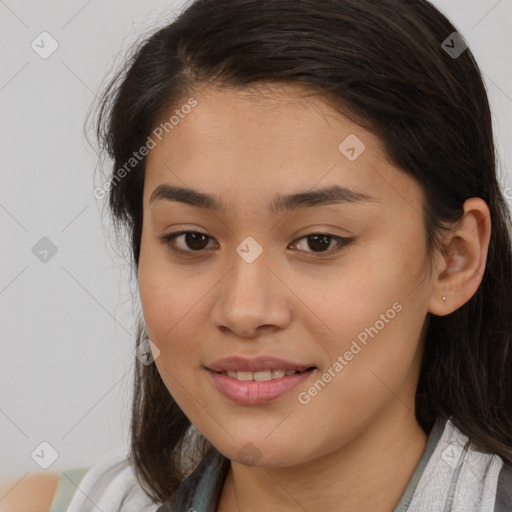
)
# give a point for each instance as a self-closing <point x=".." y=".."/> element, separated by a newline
<point x="193" y="241"/>
<point x="319" y="243"/>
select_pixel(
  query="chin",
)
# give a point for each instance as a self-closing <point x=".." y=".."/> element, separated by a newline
<point x="263" y="454"/>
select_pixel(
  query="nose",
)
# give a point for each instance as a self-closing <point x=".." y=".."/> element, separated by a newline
<point x="250" y="299"/>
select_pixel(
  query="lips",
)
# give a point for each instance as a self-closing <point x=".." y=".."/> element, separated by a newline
<point x="245" y="380"/>
<point x="256" y="364"/>
<point x="252" y="392"/>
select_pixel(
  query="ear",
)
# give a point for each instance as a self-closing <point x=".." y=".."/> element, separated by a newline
<point x="460" y="265"/>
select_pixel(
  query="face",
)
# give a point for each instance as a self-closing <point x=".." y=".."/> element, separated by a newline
<point x="337" y="284"/>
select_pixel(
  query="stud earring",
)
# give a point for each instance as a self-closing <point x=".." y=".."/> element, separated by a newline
<point x="444" y="298"/>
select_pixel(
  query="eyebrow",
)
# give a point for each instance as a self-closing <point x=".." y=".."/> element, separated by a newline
<point x="280" y="204"/>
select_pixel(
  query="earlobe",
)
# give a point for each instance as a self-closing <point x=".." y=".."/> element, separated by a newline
<point x="463" y="262"/>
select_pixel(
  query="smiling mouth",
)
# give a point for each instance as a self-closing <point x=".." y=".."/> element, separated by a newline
<point x="263" y="375"/>
<point x="253" y="388"/>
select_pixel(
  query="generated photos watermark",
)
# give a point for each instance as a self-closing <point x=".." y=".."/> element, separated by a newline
<point x="137" y="156"/>
<point x="343" y="360"/>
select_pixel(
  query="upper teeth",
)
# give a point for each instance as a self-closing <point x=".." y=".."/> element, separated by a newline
<point x="273" y="373"/>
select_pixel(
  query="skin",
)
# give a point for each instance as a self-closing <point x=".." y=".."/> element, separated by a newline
<point x="356" y="444"/>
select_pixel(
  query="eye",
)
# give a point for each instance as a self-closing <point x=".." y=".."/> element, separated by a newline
<point x="197" y="242"/>
<point x="193" y="239"/>
<point x="320" y="241"/>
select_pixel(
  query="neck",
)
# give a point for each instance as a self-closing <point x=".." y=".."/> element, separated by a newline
<point x="370" y="473"/>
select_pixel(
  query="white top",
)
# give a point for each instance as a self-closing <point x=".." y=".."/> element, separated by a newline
<point x="111" y="486"/>
<point x="455" y="479"/>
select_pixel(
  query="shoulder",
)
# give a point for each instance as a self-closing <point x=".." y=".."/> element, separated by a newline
<point x="493" y="473"/>
<point x="458" y="474"/>
<point x="112" y="485"/>
<point x="68" y="484"/>
<point x="504" y="489"/>
<point x="32" y="493"/>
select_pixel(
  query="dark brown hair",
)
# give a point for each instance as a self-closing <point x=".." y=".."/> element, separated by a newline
<point x="381" y="62"/>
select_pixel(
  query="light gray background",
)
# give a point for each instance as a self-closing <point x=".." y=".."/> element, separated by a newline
<point x="67" y="324"/>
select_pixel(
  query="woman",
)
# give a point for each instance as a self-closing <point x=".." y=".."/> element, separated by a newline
<point x="323" y="256"/>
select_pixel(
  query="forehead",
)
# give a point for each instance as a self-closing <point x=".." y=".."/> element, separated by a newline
<point x="259" y="140"/>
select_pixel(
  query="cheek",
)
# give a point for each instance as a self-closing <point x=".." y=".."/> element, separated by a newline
<point x="167" y="316"/>
<point x="171" y="306"/>
<point x="156" y="300"/>
<point x="170" y="326"/>
<point x="374" y="323"/>
<point x="163" y="295"/>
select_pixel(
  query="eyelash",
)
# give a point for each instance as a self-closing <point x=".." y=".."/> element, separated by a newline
<point x="168" y="241"/>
